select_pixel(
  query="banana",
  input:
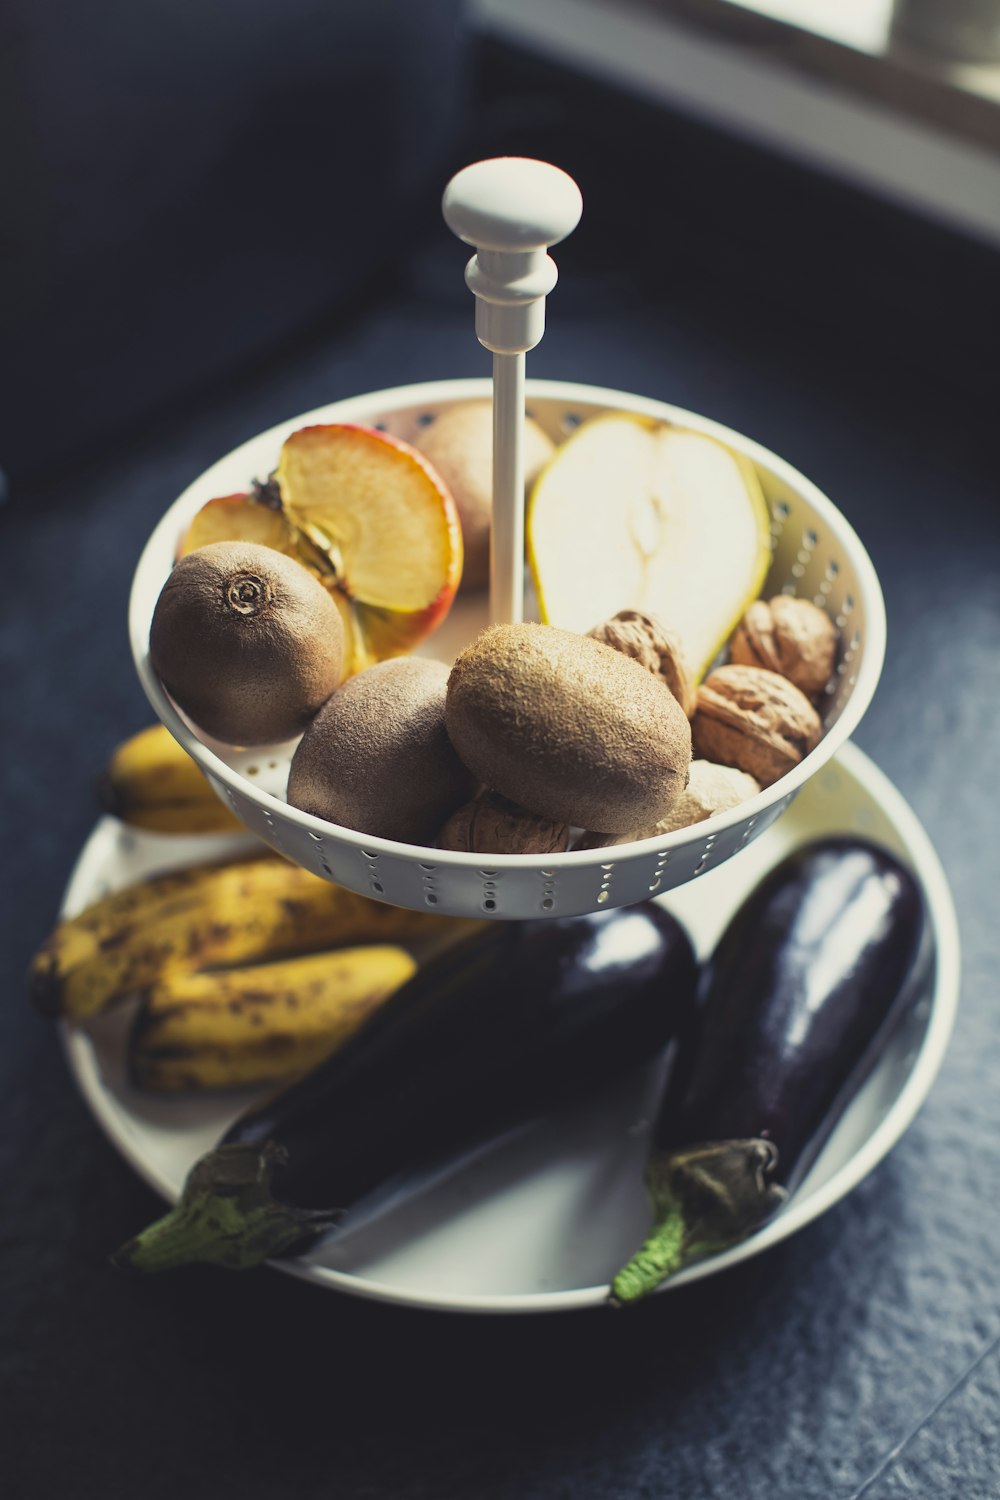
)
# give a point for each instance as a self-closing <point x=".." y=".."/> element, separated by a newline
<point x="216" y="916"/>
<point x="258" y="1024"/>
<point x="150" y="782"/>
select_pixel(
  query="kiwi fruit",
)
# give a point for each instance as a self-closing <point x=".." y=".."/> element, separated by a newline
<point x="568" y="728"/>
<point x="459" y="445"/>
<point x="246" y="641"/>
<point x="377" y="757"/>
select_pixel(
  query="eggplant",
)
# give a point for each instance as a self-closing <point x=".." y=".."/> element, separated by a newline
<point x="801" y="995"/>
<point x="492" y="1034"/>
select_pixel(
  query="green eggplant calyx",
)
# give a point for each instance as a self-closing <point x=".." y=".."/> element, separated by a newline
<point x="705" y="1199"/>
<point x="226" y="1216"/>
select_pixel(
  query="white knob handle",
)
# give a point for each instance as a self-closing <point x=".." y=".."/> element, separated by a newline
<point x="512" y="209"/>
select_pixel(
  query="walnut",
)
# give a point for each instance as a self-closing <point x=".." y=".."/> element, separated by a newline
<point x="790" y="636"/>
<point x="711" y="789"/>
<point x="489" y="824"/>
<point x="756" y="720"/>
<point x="649" y="643"/>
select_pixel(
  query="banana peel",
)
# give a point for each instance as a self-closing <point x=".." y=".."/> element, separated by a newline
<point x="258" y="1024"/>
<point x="210" y="917"/>
<point x="151" y="782"/>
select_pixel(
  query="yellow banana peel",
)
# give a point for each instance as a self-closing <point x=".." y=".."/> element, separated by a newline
<point x="150" y="782"/>
<point x="261" y="1023"/>
<point x="217" y="916"/>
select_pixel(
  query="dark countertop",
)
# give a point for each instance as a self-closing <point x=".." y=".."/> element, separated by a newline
<point x="860" y="1357"/>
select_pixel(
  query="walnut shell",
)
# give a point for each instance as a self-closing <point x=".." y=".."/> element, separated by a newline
<point x="790" y="636"/>
<point x="756" y="720"/>
<point x="490" y="824"/>
<point x="711" y="789"/>
<point x="648" y="642"/>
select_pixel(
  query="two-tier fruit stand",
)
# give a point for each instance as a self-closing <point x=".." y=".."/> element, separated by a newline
<point x="505" y="1234"/>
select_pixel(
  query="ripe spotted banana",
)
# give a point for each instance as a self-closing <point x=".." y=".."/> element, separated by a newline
<point x="150" y="782"/>
<point x="255" y="1025"/>
<point x="215" y="916"/>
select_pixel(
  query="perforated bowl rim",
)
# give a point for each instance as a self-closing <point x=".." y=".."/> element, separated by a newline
<point x="149" y="577"/>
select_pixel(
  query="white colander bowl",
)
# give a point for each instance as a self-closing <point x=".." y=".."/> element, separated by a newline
<point x="817" y="556"/>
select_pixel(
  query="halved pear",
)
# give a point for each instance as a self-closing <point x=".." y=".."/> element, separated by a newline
<point x="631" y="513"/>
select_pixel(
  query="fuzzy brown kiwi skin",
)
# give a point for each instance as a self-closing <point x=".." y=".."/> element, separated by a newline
<point x="247" y="642"/>
<point x="377" y="758"/>
<point x="568" y="727"/>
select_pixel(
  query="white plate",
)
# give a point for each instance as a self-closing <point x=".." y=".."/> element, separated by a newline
<point x="541" y="1221"/>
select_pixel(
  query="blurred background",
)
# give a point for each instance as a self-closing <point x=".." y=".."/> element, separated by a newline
<point x="220" y="213"/>
<point x="193" y="189"/>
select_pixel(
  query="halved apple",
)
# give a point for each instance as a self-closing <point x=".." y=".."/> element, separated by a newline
<point x="370" y="517"/>
<point x="633" y="514"/>
<point x="239" y="518"/>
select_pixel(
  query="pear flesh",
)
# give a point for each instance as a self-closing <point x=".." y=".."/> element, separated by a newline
<point x="634" y="514"/>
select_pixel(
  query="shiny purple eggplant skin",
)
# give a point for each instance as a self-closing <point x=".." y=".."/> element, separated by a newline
<point x="503" y="1028"/>
<point x="492" y="1034"/>
<point x="802" y="992"/>
<point x="801" y="989"/>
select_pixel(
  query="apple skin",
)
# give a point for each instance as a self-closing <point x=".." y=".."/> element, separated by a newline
<point x="395" y="632"/>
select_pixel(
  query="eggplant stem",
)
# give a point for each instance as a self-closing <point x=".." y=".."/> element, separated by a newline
<point x="226" y="1216"/>
<point x="705" y="1199"/>
<point x="660" y="1256"/>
